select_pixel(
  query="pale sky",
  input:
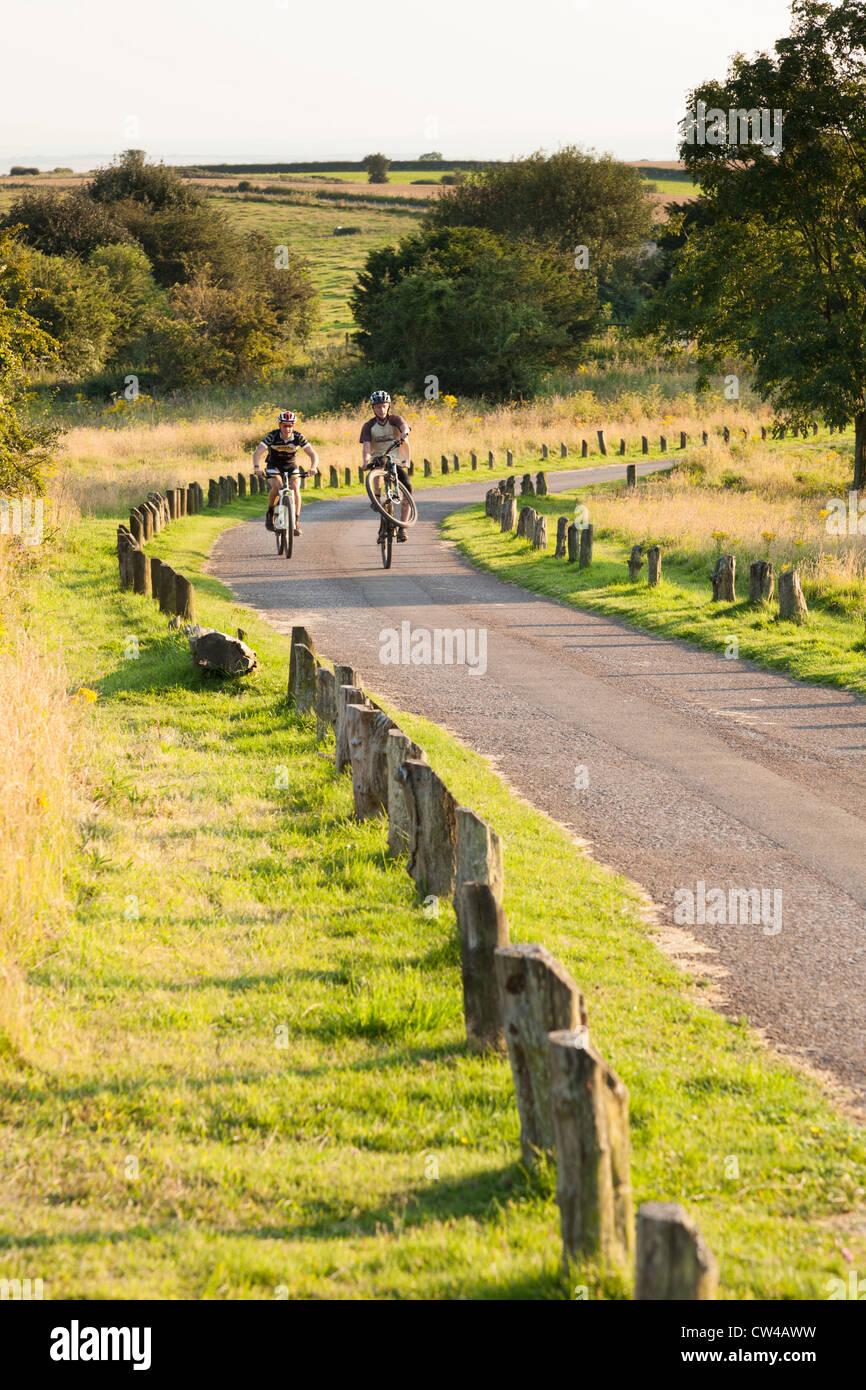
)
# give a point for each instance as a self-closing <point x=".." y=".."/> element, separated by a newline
<point x="270" y="80"/>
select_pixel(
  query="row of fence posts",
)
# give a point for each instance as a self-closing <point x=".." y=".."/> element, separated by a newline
<point x="516" y="997"/>
<point x="146" y="574"/>
<point x="574" y="542"/>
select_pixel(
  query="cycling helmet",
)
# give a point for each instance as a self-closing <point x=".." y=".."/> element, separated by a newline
<point x="380" y="398"/>
<point x="287" y="417"/>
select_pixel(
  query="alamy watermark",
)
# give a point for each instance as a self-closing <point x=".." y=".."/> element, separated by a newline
<point x="22" y="516"/>
<point x="737" y="126"/>
<point x="846" y="518"/>
<point x="444" y="646"/>
<point x="713" y="907"/>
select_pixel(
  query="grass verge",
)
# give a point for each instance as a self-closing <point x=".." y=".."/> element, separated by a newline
<point x="246" y="1076"/>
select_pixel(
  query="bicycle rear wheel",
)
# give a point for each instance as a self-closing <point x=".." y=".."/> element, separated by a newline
<point x="386" y="537"/>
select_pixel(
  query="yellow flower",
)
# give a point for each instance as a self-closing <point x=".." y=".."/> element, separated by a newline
<point x="85" y="696"/>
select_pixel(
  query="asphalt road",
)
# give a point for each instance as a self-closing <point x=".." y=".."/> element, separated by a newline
<point x="698" y="769"/>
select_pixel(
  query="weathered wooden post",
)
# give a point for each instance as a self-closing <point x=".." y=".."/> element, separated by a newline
<point x="526" y="487"/>
<point x="317" y="478"/>
<point x="367" y="731"/>
<point x="587" y="533"/>
<point x="346" y="695"/>
<point x="538" y="997"/>
<point x="539" y="533"/>
<point x="723" y="580"/>
<point x="140" y="573"/>
<point x="361" y="473"/>
<point x="213" y="493"/>
<point x="184" y="599"/>
<point x="167" y="578"/>
<point x="644" y="444"/>
<point x="541" y="484"/>
<point x="508" y="519"/>
<point x="654" y="565"/>
<point x="764" y="431"/>
<point x="155" y="577"/>
<point x="705" y="438"/>
<point x="622" y="447"/>
<point x="303" y="678"/>
<point x="473" y="460"/>
<point x="635" y="562"/>
<point x="792" y="604"/>
<point x="545" y="452"/>
<point x="333" y="479"/>
<point x="348" y="477"/>
<point x="147" y="512"/>
<point x="136" y="526"/>
<point x="573" y="542"/>
<point x="602" y="447"/>
<point x="399" y="748"/>
<point x="326" y="702"/>
<point x="126" y="545"/>
<point x="483" y="930"/>
<point x="761" y="581"/>
<point x="479" y="852"/>
<point x="563" y="451"/>
<point x="444" y="463"/>
<point x="584" y="449"/>
<point x="589" y="1106"/>
<point x="173" y="503"/>
<point x="191" y="502"/>
<point x="684" y="439"/>
<point x="428" y="468"/>
<point x="496" y="503"/>
<point x="631" y="475"/>
<point x="456" y="463"/>
<point x="509" y="459"/>
<point x="242" y="485"/>
<point x="301" y="636"/>
<point x="254" y="484"/>
<point x="431" y="811"/>
<point x="726" y="435"/>
<point x="561" y="550"/>
<point x="663" y="444"/>
<point x="674" y="1263"/>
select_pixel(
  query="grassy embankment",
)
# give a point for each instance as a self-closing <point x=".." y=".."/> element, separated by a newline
<point x="159" y="1139"/>
<point x="757" y="501"/>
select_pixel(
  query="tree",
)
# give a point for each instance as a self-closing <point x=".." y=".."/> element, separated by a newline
<point x="779" y="275"/>
<point x="72" y="302"/>
<point x="62" y="224"/>
<point x="434" y="156"/>
<point x="377" y="166"/>
<point x="562" y="201"/>
<point x="483" y="314"/>
<point x="136" y="299"/>
<point x="130" y="176"/>
<point x="24" y="346"/>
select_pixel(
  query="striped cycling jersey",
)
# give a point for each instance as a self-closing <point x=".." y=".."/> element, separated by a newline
<point x="281" y="452"/>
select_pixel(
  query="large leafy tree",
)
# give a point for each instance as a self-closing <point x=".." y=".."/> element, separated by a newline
<point x="779" y="271"/>
<point x="24" y="346"/>
<point x="561" y="201"/>
<point x="483" y="314"/>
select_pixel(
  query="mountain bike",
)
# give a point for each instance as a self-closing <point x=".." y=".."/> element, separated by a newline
<point x="284" y="517"/>
<point x="383" y="469"/>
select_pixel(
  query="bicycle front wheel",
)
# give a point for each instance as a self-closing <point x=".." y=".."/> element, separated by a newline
<point x="386" y="538"/>
<point x="290" y="526"/>
<point x="403" y="495"/>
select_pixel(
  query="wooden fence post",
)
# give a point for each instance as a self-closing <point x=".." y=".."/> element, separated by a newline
<point x="705" y="438"/>
<point x="654" y="565"/>
<point x="584" y="449"/>
<point x="726" y="435"/>
<point x="761" y="581"/>
<point x="126" y="545"/>
<point x="508" y="519"/>
<point x="399" y="748"/>
<point x="673" y="1260"/>
<point x="242" y="485"/>
<point x="334" y="480"/>
<point x="346" y="695"/>
<point x="184" y="599"/>
<point x="572" y="539"/>
<point x="367" y="732"/>
<point x="191" y="500"/>
<point x="644" y="444"/>
<point x="140" y="573"/>
<point x="213" y="493"/>
<point x="563" y="451"/>
<point x="317" y="478"/>
<point x="541" y="484"/>
<point x="539" y="533"/>
<point x="602" y="447"/>
<point x="684" y="439"/>
<point x="509" y="459"/>
<point x="303" y="681"/>
<point x="431" y="811"/>
<point x="136" y="525"/>
<point x="428" y="468"/>
<point x="561" y="550"/>
<point x="483" y="930"/>
<point x="663" y="444"/>
<point x="545" y="452"/>
<point x="593" y="1161"/>
<point x="538" y="996"/>
<point x="456" y="462"/>
<point x="622" y="447"/>
<point x="300" y="636"/>
<point x="792" y="604"/>
<point x="155" y="577"/>
<point x="586" y="537"/>
<point x="473" y="460"/>
<point x="631" y="475"/>
<point x="147" y="512"/>
<point x="764" y="431"/>
<point x="526" y="487"/>
<point x="348" y="477"/>
<point x="167" y="579"/>
<point x="479" y="852"/>
<point x="635" y="562"/>
<point x="326" y="702"/>
<point x="723" y="579"/>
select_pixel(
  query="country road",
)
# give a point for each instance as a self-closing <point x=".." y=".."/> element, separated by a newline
<point x="699" y="770"/>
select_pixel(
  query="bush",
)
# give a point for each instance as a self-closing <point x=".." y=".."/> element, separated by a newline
<point x="244" y="186"/>
<point x="24" y="345"/>
<point x="484" y="315"/>
<point x="62" y="224"/>
<point x="131" y="177"/>
<point x="20" y="169"/>
<point x="73" y="304"/>
<point x="136" y="299"/>
<point x="377" y="166"/>
<point x="215" y="335"/>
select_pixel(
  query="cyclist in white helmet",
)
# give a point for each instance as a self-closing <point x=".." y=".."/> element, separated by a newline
<point x="279" y="448"/>
<point x="376" y="435"/>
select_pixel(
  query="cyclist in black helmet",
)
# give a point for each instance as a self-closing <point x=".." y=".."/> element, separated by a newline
<point x="376" y="435"/>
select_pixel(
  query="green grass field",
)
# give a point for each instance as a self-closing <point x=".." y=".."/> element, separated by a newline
<point x="246" y="1075"/>
<point x="829" y="649"/>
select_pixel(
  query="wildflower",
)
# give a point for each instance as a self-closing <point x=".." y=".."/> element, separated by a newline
<point x="85" y="695"/>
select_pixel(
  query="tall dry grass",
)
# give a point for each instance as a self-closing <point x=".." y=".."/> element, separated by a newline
<point x="42" y="760"/>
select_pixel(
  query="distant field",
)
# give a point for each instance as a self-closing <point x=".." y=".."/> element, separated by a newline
<point x="309" y="230"/>
<point x="678" y="187"/>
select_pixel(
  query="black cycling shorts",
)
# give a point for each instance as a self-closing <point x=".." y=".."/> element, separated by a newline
<point x="283" y="473"/>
